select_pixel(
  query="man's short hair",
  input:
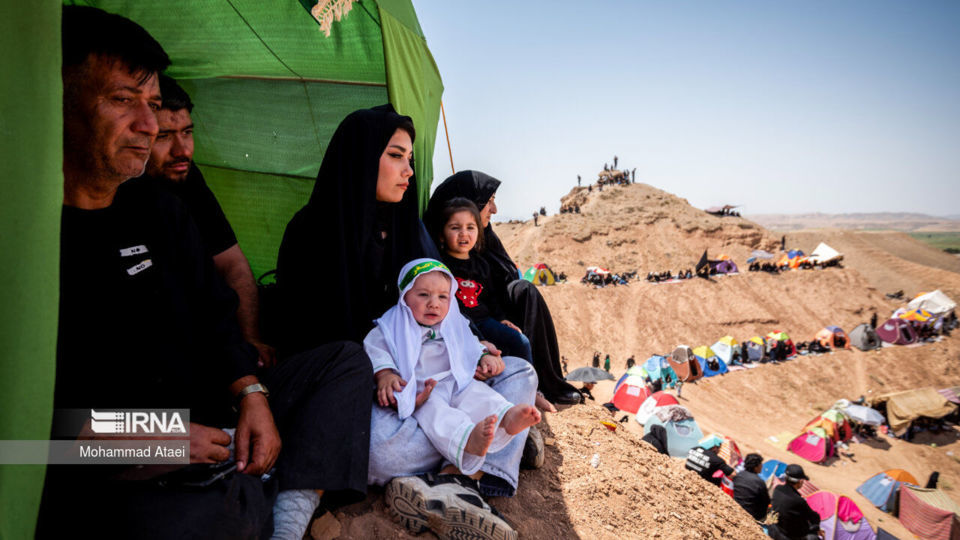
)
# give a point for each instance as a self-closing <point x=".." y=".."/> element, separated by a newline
<point x="752" y="461"/>
<point x="90" y="31"/>
<point x="175" y="97"/>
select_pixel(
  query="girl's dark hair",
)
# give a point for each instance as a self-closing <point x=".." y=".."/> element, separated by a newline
<point x="460" y="204"/>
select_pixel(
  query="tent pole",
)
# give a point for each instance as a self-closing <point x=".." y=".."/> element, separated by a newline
<point x="447" y="133"/>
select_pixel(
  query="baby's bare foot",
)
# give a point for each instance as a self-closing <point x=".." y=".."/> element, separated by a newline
<point x="519" y="418"/>
<point x="482" y="435"/>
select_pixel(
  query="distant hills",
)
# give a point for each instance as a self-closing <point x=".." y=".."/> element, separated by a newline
<point x="891" y="221"/>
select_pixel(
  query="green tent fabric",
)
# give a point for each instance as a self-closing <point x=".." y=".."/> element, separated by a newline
<point x="31" y="135"/>
<point x="270" y="88"/>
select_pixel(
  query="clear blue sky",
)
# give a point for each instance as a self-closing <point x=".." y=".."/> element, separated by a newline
<point x="781" y="106"/>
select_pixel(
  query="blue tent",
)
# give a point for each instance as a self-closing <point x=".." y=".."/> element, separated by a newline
<point x="702" y="359"/>
<point x="681" y="436"/>
<point x="658" y="368"/>
<point x="772" y="467"/>
<point x="881" y="489"/>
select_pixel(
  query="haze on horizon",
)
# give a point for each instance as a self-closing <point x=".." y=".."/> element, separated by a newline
<point x="781" y="107"/>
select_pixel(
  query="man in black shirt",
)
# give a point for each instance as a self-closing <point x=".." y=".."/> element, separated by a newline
<point x="171" y="166"/>
<point x="146" y="323"/>
<point x="796" y="521"/>
<point x="706" y="462"/>
<point x="749" y="490"/>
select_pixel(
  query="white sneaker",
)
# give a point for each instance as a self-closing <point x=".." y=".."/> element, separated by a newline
<point x="450" y="510"/>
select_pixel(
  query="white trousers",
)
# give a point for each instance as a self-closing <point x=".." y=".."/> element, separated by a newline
<point x="447" y="420"/>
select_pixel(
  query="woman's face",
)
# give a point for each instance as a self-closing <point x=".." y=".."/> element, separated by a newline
<point x="488" y="210"/>
<point x="460" y="234"/>
<point x="395" y="168"/>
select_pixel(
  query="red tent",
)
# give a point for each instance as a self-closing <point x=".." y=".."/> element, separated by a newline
<point x="628" y="397"/>
<point x="897" y="331"/>
<point x="812" y="446"/>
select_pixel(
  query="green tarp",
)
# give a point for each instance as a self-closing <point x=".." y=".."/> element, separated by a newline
<point x="269" y="88"/>
<point x="31" y="128"/>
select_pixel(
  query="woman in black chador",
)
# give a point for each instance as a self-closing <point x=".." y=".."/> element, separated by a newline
<point x="340" y="255"/>
<point x="523" y="303"/>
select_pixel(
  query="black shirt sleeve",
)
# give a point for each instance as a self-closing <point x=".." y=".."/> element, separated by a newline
<point x="215" y="230"/>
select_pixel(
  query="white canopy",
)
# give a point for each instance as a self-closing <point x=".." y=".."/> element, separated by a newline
<point x="824" y="254"/>
<point x="935" y="302"/>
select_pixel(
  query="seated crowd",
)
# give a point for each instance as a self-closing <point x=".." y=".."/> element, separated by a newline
<point x="159" y="310"/>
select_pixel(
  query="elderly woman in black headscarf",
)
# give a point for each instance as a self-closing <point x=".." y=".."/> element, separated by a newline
<point x="525" y="306"/>
<point x="336" y="273"/>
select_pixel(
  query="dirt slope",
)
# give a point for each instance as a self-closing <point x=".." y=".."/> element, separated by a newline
<point x="640" y="227"/>
<point x="635" y="493"/>
<point x="890" y="261"/>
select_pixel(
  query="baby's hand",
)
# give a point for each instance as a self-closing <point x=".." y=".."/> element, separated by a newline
<point x="388" y="382"/>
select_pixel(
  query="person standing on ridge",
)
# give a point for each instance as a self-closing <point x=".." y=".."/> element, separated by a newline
<point x="606" y="364"/>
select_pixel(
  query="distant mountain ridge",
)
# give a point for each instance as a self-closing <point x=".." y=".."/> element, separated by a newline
<point x="895" y="221"/>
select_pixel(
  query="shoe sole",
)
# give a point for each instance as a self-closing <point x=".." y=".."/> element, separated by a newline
<point x="448" y="519"/>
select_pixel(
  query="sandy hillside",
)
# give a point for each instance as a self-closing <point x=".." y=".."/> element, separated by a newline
<point x="648" y="229"/>
<point x="635" y="493"/>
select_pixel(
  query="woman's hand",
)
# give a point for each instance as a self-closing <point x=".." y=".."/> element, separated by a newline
<point x="490" y="365"/>
<point x="511" y="325"/>
<point x="388" y="382"/>
<point x="428" y="387"/>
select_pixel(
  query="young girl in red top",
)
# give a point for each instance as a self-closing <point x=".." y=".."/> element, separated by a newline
<point x="479" y="293"/>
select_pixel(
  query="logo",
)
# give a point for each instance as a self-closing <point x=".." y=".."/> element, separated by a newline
<point x="136" y="422"/>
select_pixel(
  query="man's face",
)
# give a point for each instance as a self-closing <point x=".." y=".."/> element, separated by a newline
<point x="111" y="121"/>
<point x="172" y="152"/>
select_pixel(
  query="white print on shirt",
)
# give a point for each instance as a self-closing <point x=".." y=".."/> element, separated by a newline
<point x="144" y="264"/>
<point x="698" y="460"/>
<point x="133" y="250"/>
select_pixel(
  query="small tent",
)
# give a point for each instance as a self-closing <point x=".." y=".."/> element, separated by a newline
<point x="825" y="255"/>
<point x="777" y="336"/>
<point x="813" y="445"/>
<point x="659" y="369"/>
<point x="834" y="423"/>
<point x="773" y="468"/>
<point x="710" y="364"/>
<point x="792" y="259"/>
<point x="833" y="337"/>
<point x="929" y="513"/>
<point x="905" y="407"/>
<point x="840" y="517"/>
<point x="729" y="450"/>
<point x="881" y="489"/>
<point x="650" y="405"/>
<point x="685" y="364"/>
<point x="726" y="266"/>
<point x="540" y="274"/>
<point x="935" y="302"/>
<point x="756" y="349"/>
<point x="630" y="393"/>
<point x="727" y="349"/>
<point x="865" y="338"/>
<point x="682" y="435"/>
<point x="897" y="332"/>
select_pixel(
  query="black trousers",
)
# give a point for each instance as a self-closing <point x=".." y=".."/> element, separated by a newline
<point x="77" y="505"/>
<point x="321" y="402"/>
<point x="528" y="310"/>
